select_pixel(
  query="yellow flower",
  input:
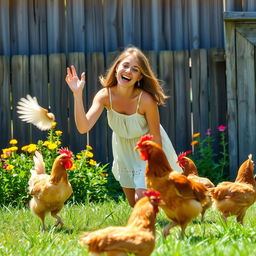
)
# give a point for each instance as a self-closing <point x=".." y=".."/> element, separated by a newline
<point x="74" y="167"/>
<point x="88" y="154"/>
<point x="46" y="143"/>
<point x="9" y="167"/>
<point x="12" y="149"/>
<point x="78" y="157"/>
<point x="54" y="124"/>
<point x="4" y="156"/>
<point x="6" y="150"/>
<point x="194" y="142"/>
<point x="13" y="142"/>
<point x="58" y="142"/>
<point x="52" y="146"/>
<point x="196" y="135"/>
<point x="58" y="132"/>
<point x="88" y="147"/>
<point x="92" y="162"/>
<point x="25" y="148"/>
<point x="32" y="148"/>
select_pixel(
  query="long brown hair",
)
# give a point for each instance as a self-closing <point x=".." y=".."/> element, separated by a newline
<point x="148" y="83"/>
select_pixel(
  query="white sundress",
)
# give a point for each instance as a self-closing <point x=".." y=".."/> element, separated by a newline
<point x="127" y="166"/>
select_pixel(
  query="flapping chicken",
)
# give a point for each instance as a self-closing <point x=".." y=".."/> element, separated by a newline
<point x="137" y="237"/>
<point x="190" y="170"/>
<point x="234" y="198"/>
<point x="31" y="112"/>
<point x="49" y="192"/>
<point x="184" y="199"/>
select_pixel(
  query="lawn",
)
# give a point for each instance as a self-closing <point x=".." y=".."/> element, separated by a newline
<point x="21" y="232"/>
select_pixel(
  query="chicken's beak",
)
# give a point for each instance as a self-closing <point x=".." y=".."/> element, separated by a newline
<point x="162" y="202"/>
<point x="137" y="148"/>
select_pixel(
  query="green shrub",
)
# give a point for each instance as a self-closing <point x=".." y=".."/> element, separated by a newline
<point x="211" y="164"/>
<point x="87" y="177"/>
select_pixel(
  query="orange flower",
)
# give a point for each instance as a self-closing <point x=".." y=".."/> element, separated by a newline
<point x="195" y="135"/>
<point x="194" y="142"/>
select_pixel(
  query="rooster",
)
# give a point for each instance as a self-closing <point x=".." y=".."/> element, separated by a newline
<point x="49" y="192"/>
<point x="190" y="170"/>
<point x="137" y="237"/>
<point x="184" y="199"/>
<point x="234" y="198"/>
<point x="31" y="112"/>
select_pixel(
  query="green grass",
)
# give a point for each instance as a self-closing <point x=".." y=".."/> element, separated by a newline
<point x="21" y="232"/>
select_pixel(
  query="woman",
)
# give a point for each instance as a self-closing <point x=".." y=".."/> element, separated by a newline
<point x="131" y="94"/>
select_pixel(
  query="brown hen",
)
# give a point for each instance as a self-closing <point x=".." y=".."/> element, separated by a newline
<point x="234" y="198"/>
<point x="184" y="199"/>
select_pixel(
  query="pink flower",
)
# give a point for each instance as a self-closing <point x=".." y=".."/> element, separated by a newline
<point x="208" y="133"/>
<point x="222" y="128"/>
<point x="5" y="166"/>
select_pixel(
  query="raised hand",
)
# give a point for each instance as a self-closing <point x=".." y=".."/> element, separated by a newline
<point x="75" y="84"/>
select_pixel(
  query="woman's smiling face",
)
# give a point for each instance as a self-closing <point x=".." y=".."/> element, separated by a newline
<point x="128" y="71"/>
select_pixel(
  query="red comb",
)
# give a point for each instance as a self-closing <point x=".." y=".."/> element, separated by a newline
<point x="152" y="192"/>
<point x="147" y="137"/>
<point x="65" y="151"/>
<point x="181" y="155"/>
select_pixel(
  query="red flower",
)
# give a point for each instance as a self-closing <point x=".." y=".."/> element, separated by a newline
<point x="222" y="128"/>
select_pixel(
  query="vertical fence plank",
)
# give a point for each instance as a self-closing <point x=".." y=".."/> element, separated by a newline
<point x="177" y="22"/>
<point x="76" y="26"/>
<point x="245" y="56"/>
<point x="37" y="18"/>
<point x="5" y="106"/>
<point x="77" y="141"/>
<point x="19" y="27"/>
<point x="20" y="82"/>
<point x="112" y="25"/>
<point x="94" y="32"/>
<point x="167" y="112"/>
<point x="98" y="135"/>
<point x="200" y="94"/>
<point x="231" y="99"/>
<point x="182" y="100"/>
<point x="218" y="100"/>
<point x="131" y="10"/>
<point x="5" y="43"/>
<point x="56" y="26"/>
<point x="194" y="38"/>
<point x="58" y="102"/>
<point x="39" y="88"/>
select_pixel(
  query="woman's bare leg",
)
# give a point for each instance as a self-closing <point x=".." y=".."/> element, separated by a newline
<point x="130" y="195"/>
<point x="133" y="195"/>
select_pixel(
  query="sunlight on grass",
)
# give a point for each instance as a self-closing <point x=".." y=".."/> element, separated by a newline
<point x="21" y="232"/>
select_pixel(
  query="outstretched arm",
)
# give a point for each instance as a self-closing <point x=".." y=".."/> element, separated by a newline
<point x="150" y="109"/>
<point x="84" y="121"/>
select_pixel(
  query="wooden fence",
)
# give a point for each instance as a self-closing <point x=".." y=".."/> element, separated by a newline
<point x="61" y="26"/>
<point x="194" y="80"/>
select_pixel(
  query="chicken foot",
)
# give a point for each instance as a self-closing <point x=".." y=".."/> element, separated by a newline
<point x="167" y="228"/>
<point x="59" y="221"/>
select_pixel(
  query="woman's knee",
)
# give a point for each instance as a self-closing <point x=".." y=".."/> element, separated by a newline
<point x="139" y="193"/>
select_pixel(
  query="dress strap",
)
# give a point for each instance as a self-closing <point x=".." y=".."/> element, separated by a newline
<point x="138" y="104"/>
<point x="110" y="98"/>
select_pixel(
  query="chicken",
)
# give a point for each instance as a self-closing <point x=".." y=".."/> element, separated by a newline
<point x="137" y="237"/>
<point x="31" y="112"/>
<point x="184" y="199"/>
<point x="190" y="170"/>
<point x="234" y="198"/>
<point x="49" y="192"/>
